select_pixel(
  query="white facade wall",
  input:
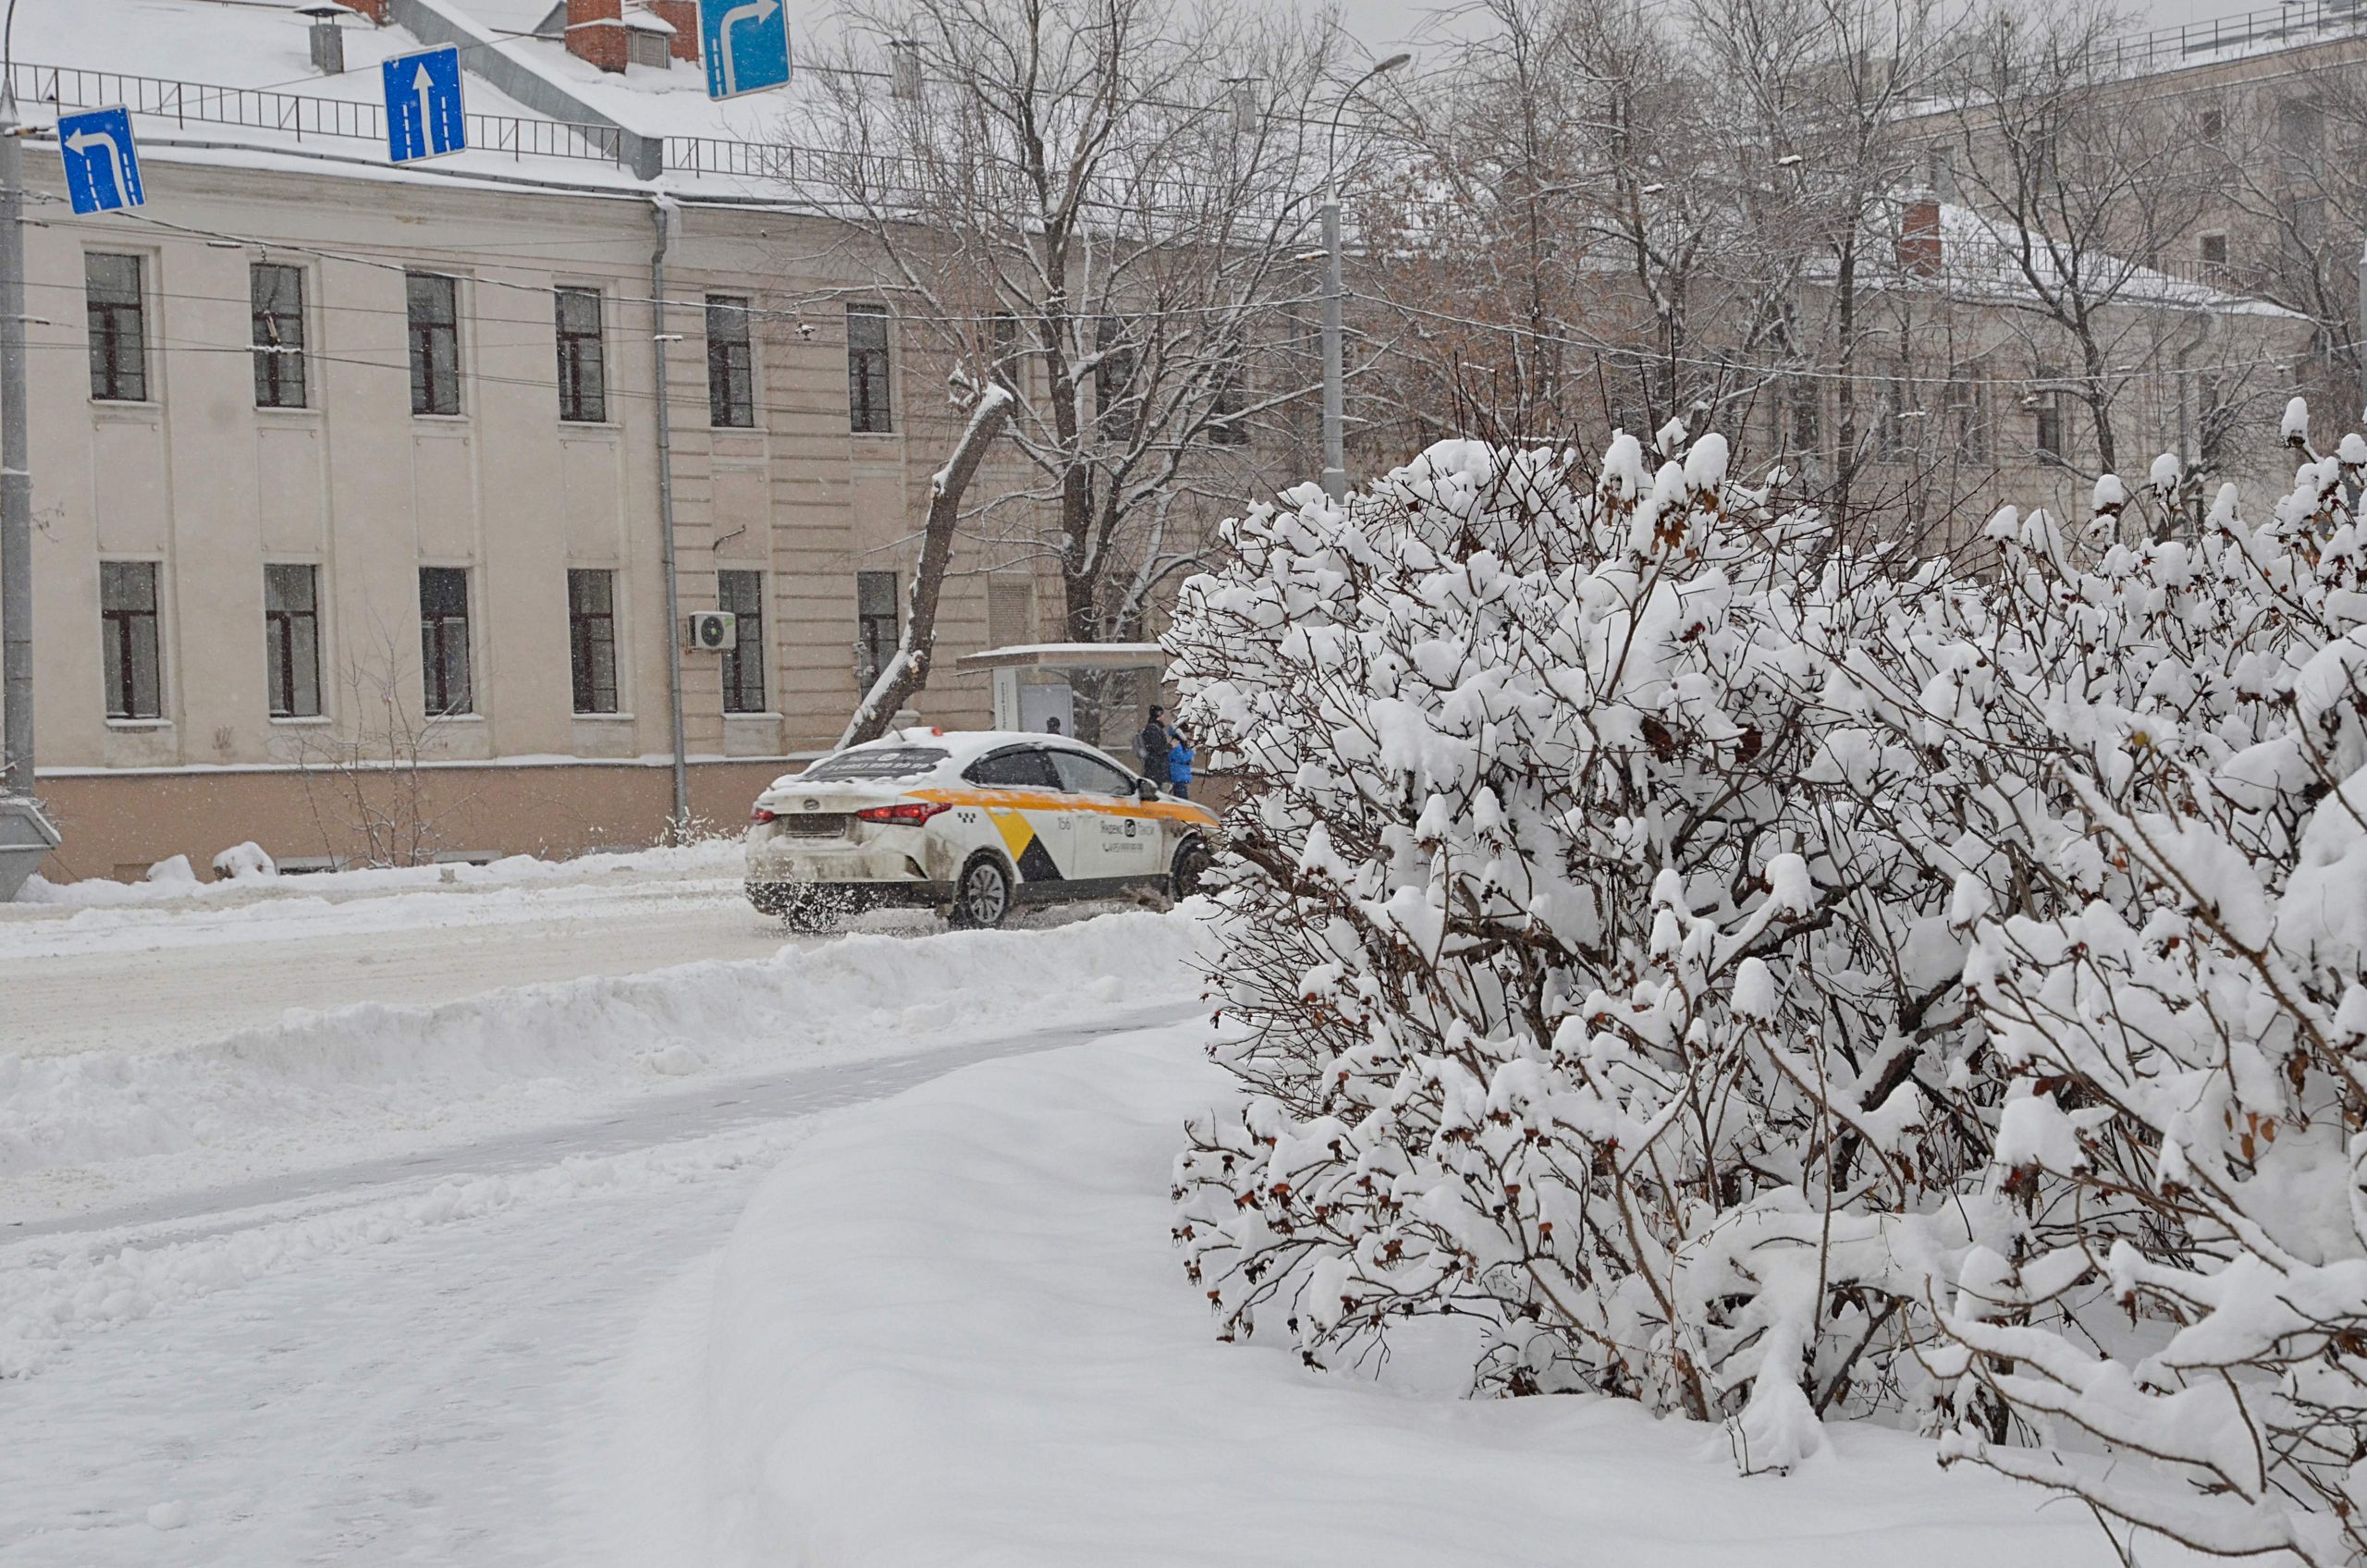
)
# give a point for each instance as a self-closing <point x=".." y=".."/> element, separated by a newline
<point x="202" y="481"/>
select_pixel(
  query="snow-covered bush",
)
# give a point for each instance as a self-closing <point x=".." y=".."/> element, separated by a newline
<point x="1749" y="975"/>
<point x="1593" y="924"/>
<point x="2179" y="1266"/>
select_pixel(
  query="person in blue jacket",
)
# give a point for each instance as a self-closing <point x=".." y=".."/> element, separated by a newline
<point x="1179" y="764"/>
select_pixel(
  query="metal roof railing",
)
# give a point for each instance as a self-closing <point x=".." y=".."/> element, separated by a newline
<point x="2272" y="27"/>
<point x="298" y="115"/>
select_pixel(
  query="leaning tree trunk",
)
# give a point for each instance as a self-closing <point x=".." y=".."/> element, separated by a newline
<point x="907" y="671"/>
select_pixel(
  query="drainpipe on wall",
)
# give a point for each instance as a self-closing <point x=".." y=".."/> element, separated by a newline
<point x="662" y="213"/>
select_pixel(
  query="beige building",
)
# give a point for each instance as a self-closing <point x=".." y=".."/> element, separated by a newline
<point x="347" y="480"/>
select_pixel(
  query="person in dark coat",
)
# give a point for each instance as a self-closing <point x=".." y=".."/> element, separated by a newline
<point x="1152" y="746"/>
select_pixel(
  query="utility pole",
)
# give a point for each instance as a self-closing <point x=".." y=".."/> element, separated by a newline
<point x="2359" y="348"/>
<point x="15" y="469"/>
<point x="1335" y="374"/>
<point x="26" y="836"/>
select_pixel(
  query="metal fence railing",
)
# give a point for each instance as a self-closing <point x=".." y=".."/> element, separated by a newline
<point x="2272" y="27"/>
<point x="297" y="115"/>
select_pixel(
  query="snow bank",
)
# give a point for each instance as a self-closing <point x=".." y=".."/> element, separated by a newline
<point x="950" y="1329"/>
<point x="372" y="1078"/>
<point x="246" y="875"/>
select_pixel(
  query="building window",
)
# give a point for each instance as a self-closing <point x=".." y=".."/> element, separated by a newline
<point x="1226" y="425"/>
<point x="731" y="364"/>
<point x="2212" y="124"/>
<point x="1806" y="398"/>
<point x="592" y="639"/>
<point x="1004" y="358"/>
<point x="278" y="295"/>
<point x="118" y="317"/>
<point x="875" y="622"/>
<point x="742" y="592"/>
<point x="2045" y="404"/>
<point x="2215" y="258"/>
<point x="1011" y="612"/>
<point x="1897" y="419"/>
<point x="2301" y="129"/>
<point x="444" y="639"/>
<point x="868" y="411"/>
<point x="582" y="372"/>
<point x="132" y="656"/>
<point x="291" y="635"/>
<point x="433" y="301"/>
<point x="1117" y="405"/>
<point x="1969" y="413"/>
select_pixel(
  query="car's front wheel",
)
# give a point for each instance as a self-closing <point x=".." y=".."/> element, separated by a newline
<point x="982" y="898"/>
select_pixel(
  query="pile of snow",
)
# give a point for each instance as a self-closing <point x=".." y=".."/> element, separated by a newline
<point x="372" y="1078"/>
<point x="244" y="870"/>
<point x="948" y="1331"/>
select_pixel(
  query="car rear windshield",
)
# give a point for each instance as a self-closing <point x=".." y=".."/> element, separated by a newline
<point x="889" y="762"/>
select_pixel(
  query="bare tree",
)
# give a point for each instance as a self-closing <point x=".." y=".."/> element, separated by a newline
<point x="363" y="781"/>
<point x="2076" y="187"/>
<point x="906" y="671"/>
<point x="1096" y="204"/>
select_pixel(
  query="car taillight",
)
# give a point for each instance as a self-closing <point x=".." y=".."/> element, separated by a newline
<point x="912" y="813"/>
<point x="763" y="814"/>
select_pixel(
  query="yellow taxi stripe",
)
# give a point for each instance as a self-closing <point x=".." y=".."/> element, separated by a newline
<point x="1045" y="799"/>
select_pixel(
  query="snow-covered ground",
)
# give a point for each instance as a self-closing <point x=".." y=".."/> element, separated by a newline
<point x="850" y="1251"/>
<point x="1000" y="1364"/>
<point x="403" y="1279"/>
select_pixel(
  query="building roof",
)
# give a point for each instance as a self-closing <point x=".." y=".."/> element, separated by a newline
<point x="232" y="81"/>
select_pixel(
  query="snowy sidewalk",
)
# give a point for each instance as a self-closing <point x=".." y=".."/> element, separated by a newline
<point x="950" y="1329"/>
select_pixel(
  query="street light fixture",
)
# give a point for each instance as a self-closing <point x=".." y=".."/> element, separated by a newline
<point x="1335" y="440"/>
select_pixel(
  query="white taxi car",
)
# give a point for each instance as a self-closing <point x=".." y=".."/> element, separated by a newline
<point x="972" y="824"/>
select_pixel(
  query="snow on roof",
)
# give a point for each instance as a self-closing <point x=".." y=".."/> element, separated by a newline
<point x="961" y="747"/>
<point x="164" y="58"/>
<point x="1981" y="252"/>
<point x="1086" y="656"/>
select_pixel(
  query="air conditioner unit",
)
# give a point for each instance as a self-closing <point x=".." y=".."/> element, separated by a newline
<point x="711" y="631"/>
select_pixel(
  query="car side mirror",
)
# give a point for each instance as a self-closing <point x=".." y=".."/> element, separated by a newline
<point x="1146" y="789"/>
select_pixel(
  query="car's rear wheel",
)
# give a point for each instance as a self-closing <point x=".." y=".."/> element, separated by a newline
<point x="982" y="898"/>
<point x="1191" y="866"/>
<point x="801" y="906"/>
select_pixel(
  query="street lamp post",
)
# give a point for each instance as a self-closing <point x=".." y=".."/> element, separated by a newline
<point x="15" y="459"/>
<point x="1335" y="438"/>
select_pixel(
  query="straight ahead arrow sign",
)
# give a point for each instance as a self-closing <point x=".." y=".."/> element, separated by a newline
<point x="424" y="115"/>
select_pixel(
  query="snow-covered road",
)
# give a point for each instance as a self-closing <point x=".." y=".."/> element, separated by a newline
<point x="494" y="1378"/>
<point x="373" y="1223"/>
<point x="143" y="976"/>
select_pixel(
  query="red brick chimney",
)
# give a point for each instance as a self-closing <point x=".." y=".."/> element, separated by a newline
<point x="374" y="9"/>
<point x="1919" y="237"/>
<point x="682" y="15"/>
<point x="595" y="32"/>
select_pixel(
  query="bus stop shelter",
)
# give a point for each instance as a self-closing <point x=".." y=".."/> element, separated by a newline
<point x="1100" y="692"/>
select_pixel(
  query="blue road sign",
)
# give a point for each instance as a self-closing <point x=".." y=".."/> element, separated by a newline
<point x="102" y="165"/>
<point x="747" y="45"/>
<point x="425" y="118"/>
